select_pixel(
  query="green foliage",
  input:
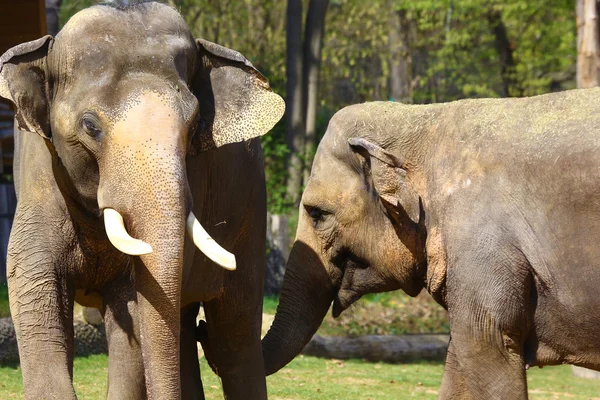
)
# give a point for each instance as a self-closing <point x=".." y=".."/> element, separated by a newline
<point x="255" y="28"/>
<point x="270" y="304"/>
<point x="453" y="48"/>
<point x="390" y="313"/>
<point x="275" y="150"/>
<point x="68" y="8"/>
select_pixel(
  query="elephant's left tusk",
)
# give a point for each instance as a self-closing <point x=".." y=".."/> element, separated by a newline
<point x="118" y="236"/>
<point x="207" y="244"/>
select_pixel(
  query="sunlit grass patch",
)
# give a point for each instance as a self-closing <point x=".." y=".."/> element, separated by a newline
<point x="316" y="378"/>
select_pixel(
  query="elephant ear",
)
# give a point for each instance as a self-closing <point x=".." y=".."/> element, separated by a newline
<point x="235" y="100"/>
<point x="25" y="82"/>
<point x="389" y="178"/>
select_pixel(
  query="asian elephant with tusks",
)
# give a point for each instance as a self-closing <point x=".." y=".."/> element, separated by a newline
<point x="492" y="206"/>
<point x="137" y="146"/>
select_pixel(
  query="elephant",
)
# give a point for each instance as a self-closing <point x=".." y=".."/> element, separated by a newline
<point x="129" y="128"/>
<point x="491" y="205"/>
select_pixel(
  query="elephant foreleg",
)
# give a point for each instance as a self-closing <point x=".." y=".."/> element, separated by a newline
<point x="489" y="320"/>
<point x="41" y="304"/>
<point x="235" y="348"/>
<point x="125" y="363"/>
<point x="490" y="368"/>
<point x="453" y="386"/>
<point x="191" y="384"/>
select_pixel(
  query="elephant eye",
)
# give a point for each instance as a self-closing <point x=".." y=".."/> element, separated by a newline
<point x="317" y="215"/>
<point x="90" y="125"/>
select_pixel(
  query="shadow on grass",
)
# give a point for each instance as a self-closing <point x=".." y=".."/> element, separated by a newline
<point x="10" y="364"/>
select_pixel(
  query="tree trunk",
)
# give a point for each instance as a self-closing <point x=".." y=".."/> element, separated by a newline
<point x="52" y="8"/>
<point x="588" y="44"/>
<point x="400" y="57"/>
<point x="313" y="43"/>
<point x="505" y="51"/>
<point x="294" y="103"/>
<point x="279" y="250"/>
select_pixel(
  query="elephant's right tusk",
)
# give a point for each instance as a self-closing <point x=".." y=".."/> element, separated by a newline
<point x="207" y="244"/>
<point x="118" y="236"/>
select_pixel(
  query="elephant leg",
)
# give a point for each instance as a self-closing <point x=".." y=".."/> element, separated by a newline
<point x="125" y="363"/>
<point x="41" y="304"/>
<point x="490" y="317"/>
<point x="235" y="347"/>
<point x="233" y="324"/>
<point x="191" y="384"/>
<point x="490" y="369"/>
<point x="453" y="385"/>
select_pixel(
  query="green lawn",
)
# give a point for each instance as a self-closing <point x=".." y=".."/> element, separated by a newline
<point x="312" y="378"/>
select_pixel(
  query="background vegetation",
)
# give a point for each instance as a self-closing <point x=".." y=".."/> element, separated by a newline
<point x="419" y="51"/>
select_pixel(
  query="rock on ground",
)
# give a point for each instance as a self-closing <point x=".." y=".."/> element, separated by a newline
<point x="8" y="342"/>
<point x="89" y="339"/>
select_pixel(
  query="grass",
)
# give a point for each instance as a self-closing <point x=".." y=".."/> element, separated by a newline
<point x="270" y="304"/>
<point x="90" y="374"/>
<point x="310" y="378"/>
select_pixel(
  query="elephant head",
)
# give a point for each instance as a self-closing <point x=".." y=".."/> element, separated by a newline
<point x="121" y="98"/>
<point x="360" y="230"/>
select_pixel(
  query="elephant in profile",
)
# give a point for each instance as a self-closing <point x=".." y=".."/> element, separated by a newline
<point x="137" y="145"/>
<point x="491" y="205"/>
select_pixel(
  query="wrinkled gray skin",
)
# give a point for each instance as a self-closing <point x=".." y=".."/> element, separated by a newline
<point x="124" y="109"/>
<point x="492" y="206"/>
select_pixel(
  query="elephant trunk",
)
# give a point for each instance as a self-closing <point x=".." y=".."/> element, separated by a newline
<point x="154" y="207"/>
<point x="158" y="279"/>
<point x="306" y="295"/>
<point x="144" y="187"/>
<point x="149" y="190"/>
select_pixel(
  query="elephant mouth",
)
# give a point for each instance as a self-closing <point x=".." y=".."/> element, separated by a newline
<point x="346" y="294"/>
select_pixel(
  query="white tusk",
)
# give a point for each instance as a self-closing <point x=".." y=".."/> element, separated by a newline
<point x="118" y="236"/>
<point x="207" y="245"/>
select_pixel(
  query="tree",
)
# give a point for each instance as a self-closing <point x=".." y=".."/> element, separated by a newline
<point x="52" y="10"/>
<point x="399" y="40"/>
<point x="294" y="102"/>
<point x="312" y="47"/>
<point x="303" y="61"/>
<point x="505" y="51"/>
<point x="588" y="44"/>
